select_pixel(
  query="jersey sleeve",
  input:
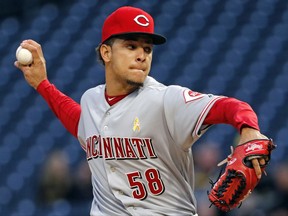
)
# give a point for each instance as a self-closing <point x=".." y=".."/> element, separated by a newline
<point x="65" y="108"/>
<point x="234" y="112"/>
<point x="185" y="112"/>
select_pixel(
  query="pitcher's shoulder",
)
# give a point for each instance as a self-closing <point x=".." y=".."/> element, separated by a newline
<point x="94" y="92"/>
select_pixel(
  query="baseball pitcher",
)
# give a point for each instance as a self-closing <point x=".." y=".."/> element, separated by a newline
<point x="137" y="133"/>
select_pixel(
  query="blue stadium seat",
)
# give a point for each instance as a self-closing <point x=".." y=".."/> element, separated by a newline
<point x="63" y="35"/>
<point x="74" y="151"/>
<point x="215" y="85"/>
<point x="178" y="46"/>
<point x="227" y="20"/>
<point x="226" y="69"/>
<point x="202" y="57"/>
<point x="242" y="44"/>
<point x="233" y="56"/>
<point x="10" y="26"/>
<point x="186" y="33"/>
<point x="281" y="79"/>
<point x="250" y="32"/>
<point x="267" y="111"/>
<point x="280" y="139"/>
<point x="24" y="128"/>
<point x="80" y="10"/>
<point x="55" y="130"/>
<point x="91" y="36"/>
<point x="244" y="94"/>
<point x="52" y="50"/>
<point x="34" y="114"/>
<point x="259" y="68"/>
<point x="45" y="141"/>
<point x="196" y="21"/>
<point x="209" y="44"/>
<point x="26" y="205"/>
<point x="61" y="207"/>
<point x="49" y="11"/>
<point x="36" y="153"/>
<point x="12" y="101"/>
<point x="259" y="19"/>
<point x="273" y="44"/>
<point x="173" y="8"/>
<point x="15" y="181"/>
<point x="165" y="22"/>
<point x="41" y="25"/>
<point x="5" y="155"/>
<point x="21" y="88"/>
<point x="66" y="73"/>
<point x="203" y="7"/>
<point x="234" y="7"/>
<point x="281" y="31"/>
<point x="218" y="32"/>
<point x="25" y="168"/>
<point x="72" y="62"/>
<point x="4" y="41"/>
<point x="6" y="195"/>
<point x="83" y="48"/>
<point x="250" y="82"/>
<point x="161" y="71"/>
<point x="267" y="57"/>
<point x="12" y="141"/>
<point x="266" y="7"/>
<point x="93" y="3"/>
<point x="5" y="115"/>
<point x="276" y="96"/>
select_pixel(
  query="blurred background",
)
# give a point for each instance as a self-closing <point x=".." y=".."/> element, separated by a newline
<point x="236" y="48"/>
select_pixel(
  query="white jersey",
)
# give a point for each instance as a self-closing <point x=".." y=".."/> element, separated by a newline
<point x="139" y="149"/>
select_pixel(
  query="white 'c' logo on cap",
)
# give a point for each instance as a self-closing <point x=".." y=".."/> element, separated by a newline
<point x="136" y="19"/>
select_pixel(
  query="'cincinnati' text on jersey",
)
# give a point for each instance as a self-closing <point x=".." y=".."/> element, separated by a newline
<point x="119" y="148"/>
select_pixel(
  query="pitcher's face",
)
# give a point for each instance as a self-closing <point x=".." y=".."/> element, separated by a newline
<point x="130" y="60"/>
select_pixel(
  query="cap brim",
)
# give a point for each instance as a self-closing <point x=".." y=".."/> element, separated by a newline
<point x="157" y="39"/>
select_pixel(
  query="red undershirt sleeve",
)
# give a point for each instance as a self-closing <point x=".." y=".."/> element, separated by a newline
<point x="234" y="112"/>
<point x="65" y="108"/>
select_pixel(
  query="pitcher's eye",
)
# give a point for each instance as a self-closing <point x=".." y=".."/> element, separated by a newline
<point x="148" y="50"/>
<point x="131" y="46"/>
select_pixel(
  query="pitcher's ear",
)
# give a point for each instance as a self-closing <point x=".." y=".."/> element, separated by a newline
<point x="105" y="52"/>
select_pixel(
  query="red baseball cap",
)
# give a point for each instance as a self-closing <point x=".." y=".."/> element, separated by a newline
<point x="130" y="21"/>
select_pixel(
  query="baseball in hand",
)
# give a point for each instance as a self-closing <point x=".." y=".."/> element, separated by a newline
<point x="24" y="56"/>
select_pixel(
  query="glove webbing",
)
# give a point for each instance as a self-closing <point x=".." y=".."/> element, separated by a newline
<point x="231" y="174"/>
